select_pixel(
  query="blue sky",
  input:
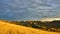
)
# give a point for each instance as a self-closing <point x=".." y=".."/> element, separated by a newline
<point x="29" y="9"/>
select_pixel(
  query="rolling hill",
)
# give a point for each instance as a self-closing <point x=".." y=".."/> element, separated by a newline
<point x="7" y="28"/>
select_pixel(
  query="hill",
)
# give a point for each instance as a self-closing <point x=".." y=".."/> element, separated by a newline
<point x="7" y="28"/>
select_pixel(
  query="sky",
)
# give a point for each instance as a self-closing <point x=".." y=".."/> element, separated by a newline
<point x="29" y="9"/>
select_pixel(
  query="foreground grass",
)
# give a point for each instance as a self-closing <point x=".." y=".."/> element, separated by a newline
<point x="7" y="28"/>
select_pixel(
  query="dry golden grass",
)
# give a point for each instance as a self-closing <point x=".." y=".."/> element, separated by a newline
<point x="6" y="28"/>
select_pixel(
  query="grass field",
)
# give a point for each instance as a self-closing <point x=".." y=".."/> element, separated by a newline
<point x="7" y="28"/>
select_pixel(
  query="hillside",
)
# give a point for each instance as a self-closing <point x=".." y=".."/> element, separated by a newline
<point x="7" y="28"/>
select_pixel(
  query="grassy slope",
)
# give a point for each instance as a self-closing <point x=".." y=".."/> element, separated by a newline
<point x="6" y="28"/>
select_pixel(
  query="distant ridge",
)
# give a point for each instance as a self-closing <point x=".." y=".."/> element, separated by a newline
<point x="49" y="19"/>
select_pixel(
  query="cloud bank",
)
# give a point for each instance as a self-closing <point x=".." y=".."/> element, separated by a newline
<point x="29" y="9"/>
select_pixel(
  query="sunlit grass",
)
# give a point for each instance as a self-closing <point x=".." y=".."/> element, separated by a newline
<point x="7" y="28"/>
